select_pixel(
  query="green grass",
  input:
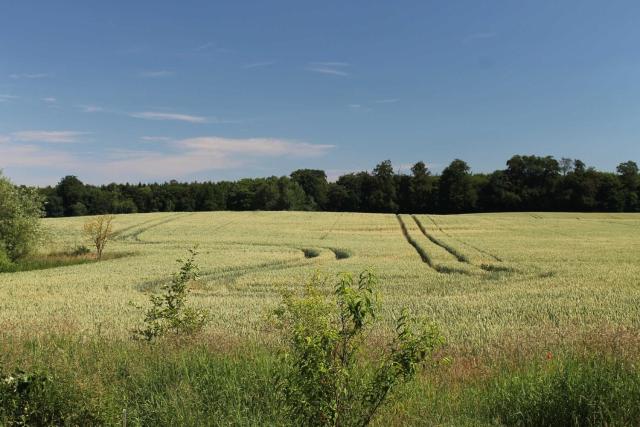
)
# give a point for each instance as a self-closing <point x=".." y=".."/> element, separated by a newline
<point x="571" y="392"/>
<point x="199" y="382"/>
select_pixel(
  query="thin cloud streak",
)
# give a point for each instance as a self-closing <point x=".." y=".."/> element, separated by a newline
<point x="331" y="64"/>
<point x="258" y="65"/>
<point x="331" y="68"/>
<point x="5" y="97"/>
<point x="204" y="46"/>
<point x="153" y="115"/>
<point x="91" y="108"/>
<point x="157" y="73"/>
<point x="255" y="146"/>
<point x="156" y="138"/>
<point x="55" y="137"/>
<point x="29" y="76"/>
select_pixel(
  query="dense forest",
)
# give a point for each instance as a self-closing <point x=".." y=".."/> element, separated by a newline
<point x="529" y="183"/>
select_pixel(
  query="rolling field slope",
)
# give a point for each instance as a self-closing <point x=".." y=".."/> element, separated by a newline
<point x="490" y="280"/>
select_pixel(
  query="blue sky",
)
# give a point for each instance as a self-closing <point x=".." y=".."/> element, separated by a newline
<point x="155" y="90"/>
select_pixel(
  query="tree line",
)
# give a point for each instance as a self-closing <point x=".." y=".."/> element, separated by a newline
<point x="528" y="183"/>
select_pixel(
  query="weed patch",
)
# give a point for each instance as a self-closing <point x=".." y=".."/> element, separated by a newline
<point x="310" y="252"/>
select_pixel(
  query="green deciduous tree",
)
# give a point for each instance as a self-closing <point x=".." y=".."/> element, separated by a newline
<point x="314" y="183"/>
<point x="456" y="191"/>
<point x="20" y="212"/>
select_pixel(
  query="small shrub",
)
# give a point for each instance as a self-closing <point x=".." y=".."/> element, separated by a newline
<point x="169" y="312"/>
<point x="80" y="250"/>
<point x="37" y="399"/>
<point x="310" y="252"/>
<point x="341" y="253"/>
<point x="327" y="381"/>
<point x="5" y="262"/>
<point x="99" y="230"/>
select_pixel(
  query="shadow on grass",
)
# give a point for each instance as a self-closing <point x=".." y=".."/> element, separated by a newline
<point x="56" y="259"/>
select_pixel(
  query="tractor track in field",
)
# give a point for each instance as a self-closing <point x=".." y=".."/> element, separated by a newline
<point x="614" y="222"/>
<point x="223" y="225"/>
<point x="457" y="255"/>
<point x="460" y="257"/>
<point x="339" y="253"/>
<point x="118" y="234"/>
<point x="135" y="236"/>
<point x="324" y="236"/>
<point x="421" y="252"/>
<point x="230" y="275"/>
<point x="482" y="251"/>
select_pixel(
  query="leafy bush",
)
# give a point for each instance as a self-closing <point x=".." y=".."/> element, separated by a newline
<point x="80" y="250"/>
<point x="168" y="312"/>
<point x="311" y="252"/>
<point x="341" y="253"/>
<point x="328" y="382"/>
<point x="5" y="263"/>
<point x="35" y="398"/>
<point x="20" y="212"/>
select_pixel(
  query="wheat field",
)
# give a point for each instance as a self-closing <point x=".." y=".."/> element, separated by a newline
<point x="491" y="281"/>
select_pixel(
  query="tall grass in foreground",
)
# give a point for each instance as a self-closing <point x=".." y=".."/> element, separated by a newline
<point x="592" y="392"/>
<point x="222" y="383"/>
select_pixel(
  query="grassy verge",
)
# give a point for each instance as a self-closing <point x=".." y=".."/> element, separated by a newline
<point x="213" y="382"/>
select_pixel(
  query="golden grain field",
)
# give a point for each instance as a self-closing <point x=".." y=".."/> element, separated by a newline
<point x="490" y="280"/>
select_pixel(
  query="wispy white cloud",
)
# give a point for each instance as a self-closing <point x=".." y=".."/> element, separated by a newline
<point x="479" y="36"/>
<point x="6" y="98"/>
<point x="21" y="155"/>
<point x="172" y="159"/>
<point x="332" y="68"/>
<point x="258" y="64"/>
<point x="387" y="101"/>
<point x="204" y="46"/>
<point x="193" y="155"/>
<point x="50" y="100"/>
<point x="65" y="136"/>
<point x="332" y="64"/>
<point x="359" y="108"/>
<point x="210" y="46"/>
<point x="154" y="115"/>
<point x="4" y="139"/>
<point x="90" y="108"/>
<point x="29" y="76"/>
<point x="255" y="146"/>
<point x="156" y="138"/>
<point x="157" y="73"/>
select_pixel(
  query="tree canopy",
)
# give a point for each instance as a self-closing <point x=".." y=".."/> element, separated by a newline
<point x="527" y="183"/>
